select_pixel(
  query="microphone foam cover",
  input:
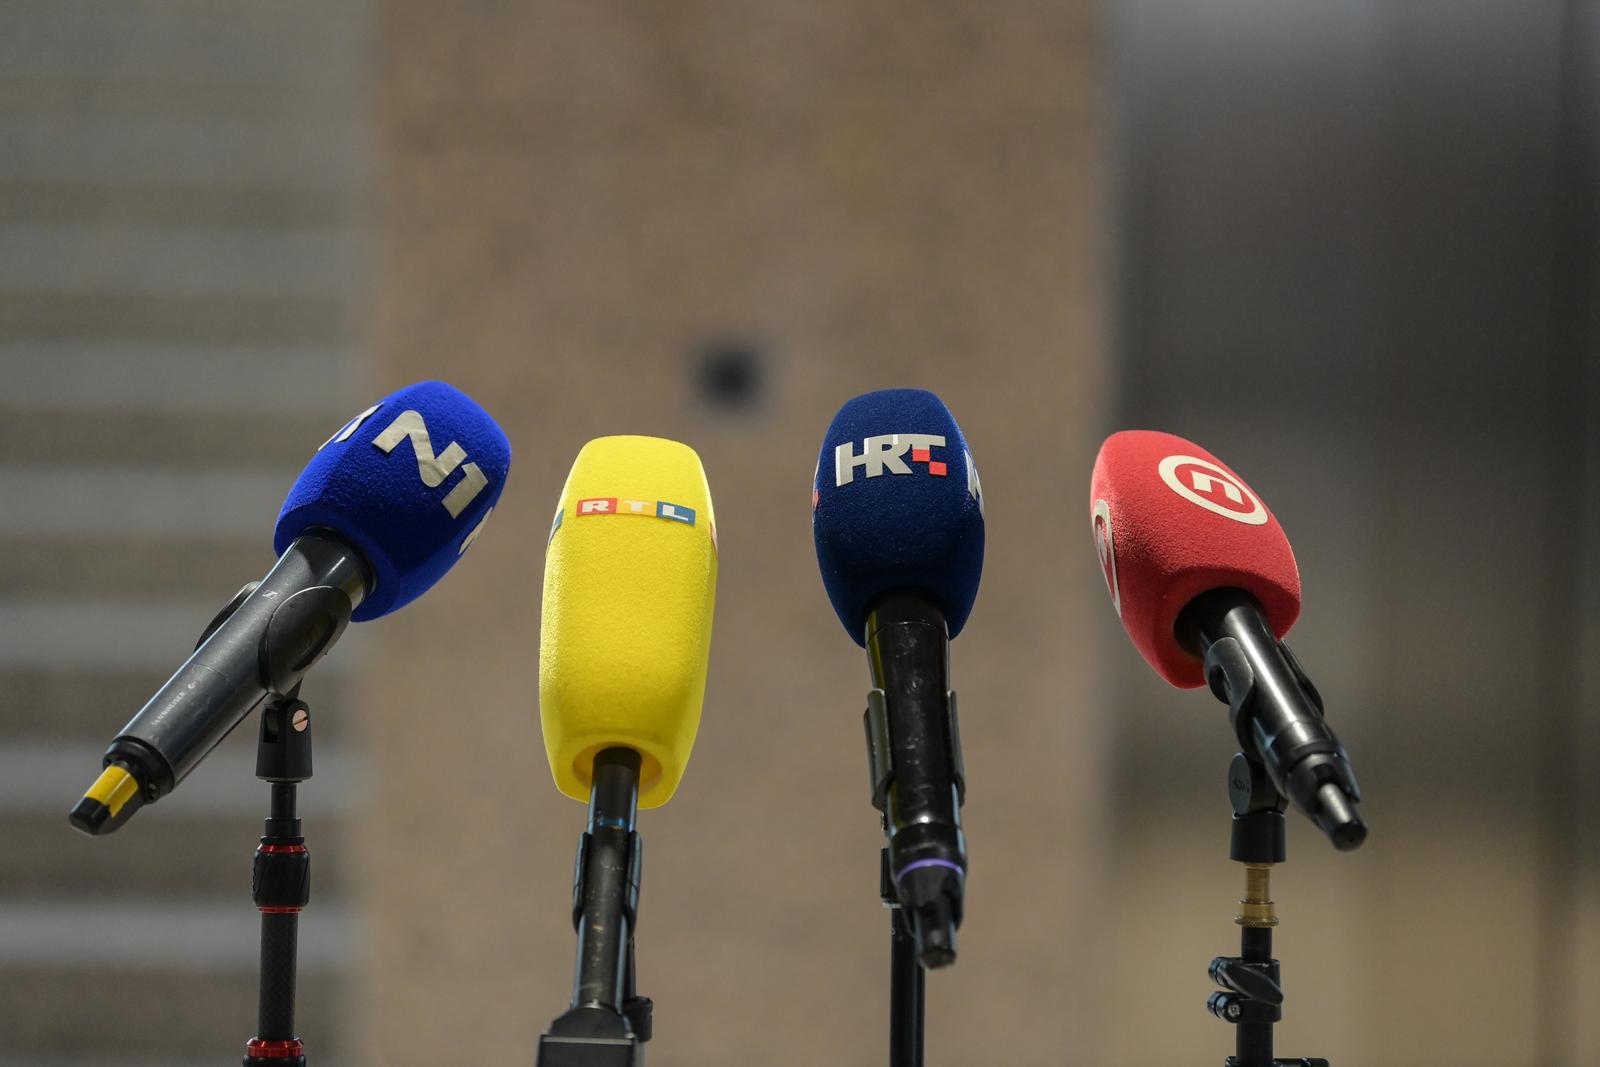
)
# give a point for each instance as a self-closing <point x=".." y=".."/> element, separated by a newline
<point x="1170" y="522"/>
<point x="897" y="504"/>
<point x="409" y="483"/>
<point x="630" y="581"/>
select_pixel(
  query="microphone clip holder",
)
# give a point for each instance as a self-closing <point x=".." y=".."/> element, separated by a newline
<point x="1276" y="712"/>
<point x="608" y="1022"/>
<point x="1251" y="993"/>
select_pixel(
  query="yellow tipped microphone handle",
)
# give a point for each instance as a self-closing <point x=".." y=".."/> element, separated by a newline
<point x="260" y="645"/>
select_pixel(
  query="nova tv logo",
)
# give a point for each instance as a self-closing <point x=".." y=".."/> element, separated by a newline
<point x="1204" y="483"/>
<point x="889" y="453"/>
<point x="433" y="469"/>
<point x="1106" y="549"/>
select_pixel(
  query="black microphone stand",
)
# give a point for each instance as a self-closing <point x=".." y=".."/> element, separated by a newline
<point x="1251" y="997"/>
<point x="608" y="1022"/>
<point x="280" y="880"/>
<point x="280" y="874"/>
<point x="907" y="990"/>
<point x="907" y="975"/>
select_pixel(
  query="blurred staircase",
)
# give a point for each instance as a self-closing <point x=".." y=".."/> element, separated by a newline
<point x="179" y="255"/>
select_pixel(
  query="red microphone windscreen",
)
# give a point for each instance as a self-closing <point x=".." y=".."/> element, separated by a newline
<point x="1170" y="522"/>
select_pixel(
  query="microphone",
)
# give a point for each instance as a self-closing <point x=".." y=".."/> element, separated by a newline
<point x="376" y="518"/>
<point x="630" y="582"/>
<point x="1206" y="585"/>
<point x="897" y="516"/>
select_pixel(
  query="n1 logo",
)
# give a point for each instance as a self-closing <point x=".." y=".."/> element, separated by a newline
<point x="1204" y="483"/>
<point x="1106" y="549"/>
<point x="432" y="469"/>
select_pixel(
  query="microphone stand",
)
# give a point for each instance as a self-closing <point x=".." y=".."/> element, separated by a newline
<point x="280" y="874"/>
<point x="608" y="1022"/>
<point x="907" y="992"/>
<point x="907" y="975"/>
<point x="280" y="880"/>
<point x="1251" y="997"/>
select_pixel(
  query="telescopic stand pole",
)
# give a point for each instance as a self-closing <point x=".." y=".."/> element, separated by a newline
<point x="907" y="995"/>
<point x="608" y="1022"/>
<point x="1251" y="997"/>
<point x="280" y="880"/>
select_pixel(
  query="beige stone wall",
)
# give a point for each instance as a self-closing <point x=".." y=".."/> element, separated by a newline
<point x="569" y="199"/>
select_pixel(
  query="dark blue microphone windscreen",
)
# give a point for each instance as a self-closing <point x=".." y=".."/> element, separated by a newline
<point x="409" y="483"/>
<point x="897" y="505"/>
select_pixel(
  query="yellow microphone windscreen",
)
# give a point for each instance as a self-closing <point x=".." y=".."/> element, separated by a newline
<point x="630" y="579"/>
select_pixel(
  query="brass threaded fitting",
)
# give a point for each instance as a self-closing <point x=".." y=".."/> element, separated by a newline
<point x="1255" y="907"/>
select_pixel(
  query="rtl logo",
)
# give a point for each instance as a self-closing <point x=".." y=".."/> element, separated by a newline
<point x="612" y="505"/>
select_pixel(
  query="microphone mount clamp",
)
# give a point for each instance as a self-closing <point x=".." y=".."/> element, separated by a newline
<point x="1251" y="993"/>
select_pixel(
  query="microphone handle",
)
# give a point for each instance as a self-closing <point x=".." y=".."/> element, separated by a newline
<point x="1277" y="712"/>
<point x="908" y="652"/>
<point x="606" y="890"/>
<point x="264" y="646"/>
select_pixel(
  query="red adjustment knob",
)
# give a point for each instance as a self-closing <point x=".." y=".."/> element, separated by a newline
<point x="280" y="880"/>
<point x="277" y="1051"/>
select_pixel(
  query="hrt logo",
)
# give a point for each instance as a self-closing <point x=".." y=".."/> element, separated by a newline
<point x="1204" y="483"/>
<point x="432" y="469"/>
<point x="885" y="452"/>
<point x="1106" y="549"/>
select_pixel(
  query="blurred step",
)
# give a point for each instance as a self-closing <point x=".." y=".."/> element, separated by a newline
<point x="278" y="153"/>
<point x="163" y="853"/>
<point x="171" y="441"/>
<point x="174" y="934"/>
<point x="45" y="315"/>
<point x="82" y="710"/>
<point x="120" y="634"/>
<point x="195" y="261"/>
<point x="59" y="1014"/>
<point x="46" y="778"/>
<point x="298" y="47"/>
<point x="101" y="565"/>
<point x="146" y="502"/>
<point x="123" y="377"/>
<point x="47" y="93"/>
<point x="93" y="203"/>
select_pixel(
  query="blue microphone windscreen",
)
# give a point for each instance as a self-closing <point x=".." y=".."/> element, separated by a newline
<point x="897" y="505"/>
<point x="409" y="483"/>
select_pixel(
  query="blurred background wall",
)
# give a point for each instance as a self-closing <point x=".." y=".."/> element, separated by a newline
<point x="581" y="206"/>
<point x="1349" y="249"/>
<point x="1356" y="251"/>
<point x="180" y="263"/>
